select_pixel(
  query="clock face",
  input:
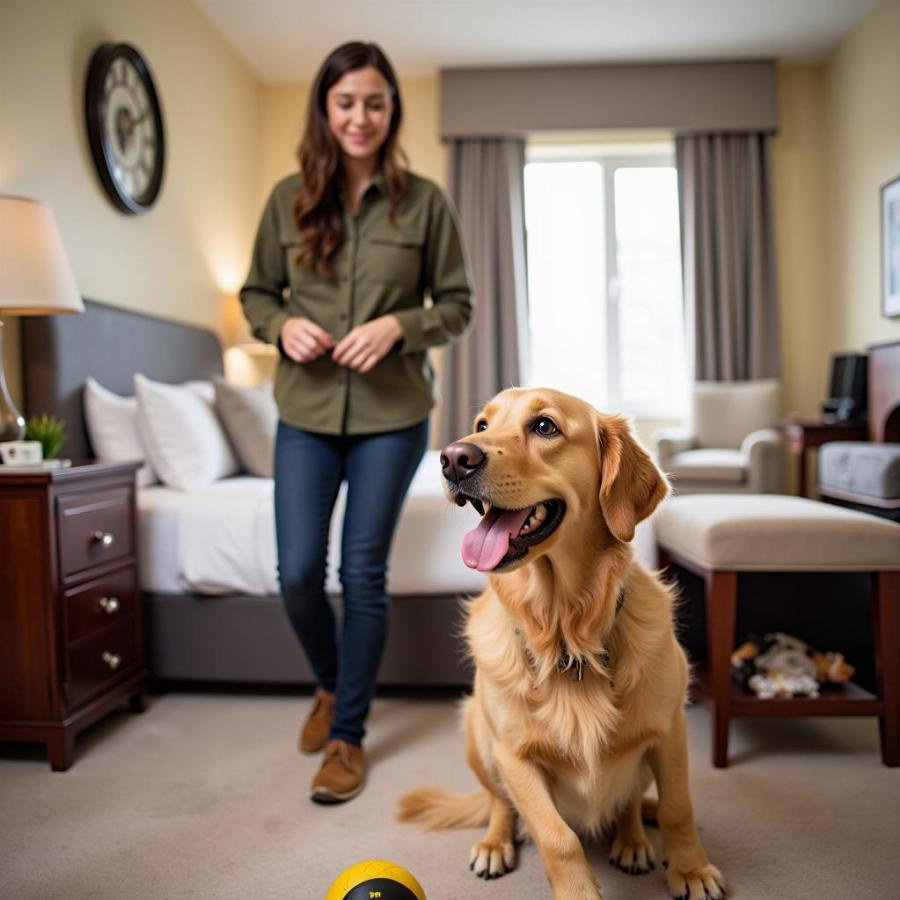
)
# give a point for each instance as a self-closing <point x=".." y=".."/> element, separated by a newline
<point x="125" y="127"/>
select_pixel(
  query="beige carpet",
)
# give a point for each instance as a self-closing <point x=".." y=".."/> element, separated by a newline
<point x="203" y="796"/>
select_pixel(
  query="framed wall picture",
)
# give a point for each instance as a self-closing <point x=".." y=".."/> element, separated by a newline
<point x="890" y="248"/>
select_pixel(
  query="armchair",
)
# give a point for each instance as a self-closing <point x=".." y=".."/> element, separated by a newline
<point x="733" y="445"/>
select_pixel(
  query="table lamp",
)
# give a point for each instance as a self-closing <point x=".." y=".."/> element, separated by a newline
<point x="35" y="280"/>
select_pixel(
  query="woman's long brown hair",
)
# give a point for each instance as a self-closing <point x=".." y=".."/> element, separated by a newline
<point x="317" y="208"/>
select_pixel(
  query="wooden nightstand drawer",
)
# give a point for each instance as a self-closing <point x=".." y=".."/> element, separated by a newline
<point x="95" y="661"/>
<point x="94" y="528"/>
<point x="100" y="603"/>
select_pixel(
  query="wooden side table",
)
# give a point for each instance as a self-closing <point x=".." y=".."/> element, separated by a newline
<point x="730" y="700"/>
<point x="800" y="436"/>
<point x="71" y="641"/>
<point x="780" y="534"/>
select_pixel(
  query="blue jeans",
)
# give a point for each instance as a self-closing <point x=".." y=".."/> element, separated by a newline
<point x="309" y="469"/>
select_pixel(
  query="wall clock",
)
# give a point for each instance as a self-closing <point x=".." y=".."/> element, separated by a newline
<point x="125" y="126"/>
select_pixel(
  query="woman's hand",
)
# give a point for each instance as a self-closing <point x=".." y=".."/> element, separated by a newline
<point x="303" y="340"/>
<point x="364" y="347"/>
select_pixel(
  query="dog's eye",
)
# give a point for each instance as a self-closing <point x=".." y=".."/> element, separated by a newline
<point x="545" y="427"/>
<point x="482" y="425"/>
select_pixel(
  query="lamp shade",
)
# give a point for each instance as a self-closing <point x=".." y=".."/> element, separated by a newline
<point x="35" y="276"/>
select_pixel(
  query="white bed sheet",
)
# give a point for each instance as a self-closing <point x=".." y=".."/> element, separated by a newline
<point x="158" y="517"/>
<point x="220" y="539"/>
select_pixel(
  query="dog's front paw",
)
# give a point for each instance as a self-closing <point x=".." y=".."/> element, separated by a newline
<point x="635" y="857"/>
<point x="703" y="883"/>
<point x="490" y="860"/>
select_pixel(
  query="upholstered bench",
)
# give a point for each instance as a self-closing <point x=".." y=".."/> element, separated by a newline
<point x="718" y="536"/>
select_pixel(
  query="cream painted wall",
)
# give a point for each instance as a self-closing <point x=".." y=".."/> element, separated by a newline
<point x="862" y="132"/>
<point x="230" y="139"/>
<point x="839" y="141"/>
<point x="193" y="246"/>
<point x="800" y="199"/>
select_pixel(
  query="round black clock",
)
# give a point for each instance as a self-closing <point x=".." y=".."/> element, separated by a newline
<point x="125" y="127"/>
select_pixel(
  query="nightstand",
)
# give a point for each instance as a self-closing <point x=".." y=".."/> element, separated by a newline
<point x="71" y="628"/>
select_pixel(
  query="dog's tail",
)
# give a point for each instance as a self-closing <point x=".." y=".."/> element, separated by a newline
<point x="436" y="808"/>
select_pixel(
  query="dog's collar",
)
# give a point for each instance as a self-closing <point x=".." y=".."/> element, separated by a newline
<point x="576" y="664"/>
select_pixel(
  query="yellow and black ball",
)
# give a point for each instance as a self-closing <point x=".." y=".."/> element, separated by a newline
<point x="375" y="879"/>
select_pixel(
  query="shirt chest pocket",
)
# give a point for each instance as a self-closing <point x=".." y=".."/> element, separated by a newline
<point x="297" y="276"/>
<point x="395" y="258"/>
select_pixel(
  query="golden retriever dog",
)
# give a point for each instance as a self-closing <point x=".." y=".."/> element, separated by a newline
<point x="580" y="683"/>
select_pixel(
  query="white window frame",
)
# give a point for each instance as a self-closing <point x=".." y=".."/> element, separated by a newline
<point x="627" y="154"/>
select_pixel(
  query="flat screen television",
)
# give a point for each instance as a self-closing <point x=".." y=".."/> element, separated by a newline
<point x="847" y="391"/>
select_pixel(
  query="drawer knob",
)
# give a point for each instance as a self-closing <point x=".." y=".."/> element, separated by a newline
<point x="113" y="660"/>
<point x="104" y="538"/>
<point x="110" y="605"/>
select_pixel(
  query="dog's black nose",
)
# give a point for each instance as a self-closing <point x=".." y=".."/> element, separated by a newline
<point x="459" y="460"/>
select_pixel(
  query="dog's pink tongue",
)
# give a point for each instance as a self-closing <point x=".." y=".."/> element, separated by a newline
<point x="483" y="547"/>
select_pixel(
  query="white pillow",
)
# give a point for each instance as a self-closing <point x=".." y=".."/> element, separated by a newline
<point x="113" y="429"/>
<point x="204" y="389"/>
<point x="185" y="442"/>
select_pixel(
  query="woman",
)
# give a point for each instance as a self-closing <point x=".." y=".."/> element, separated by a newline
<point x="345" y="252"/>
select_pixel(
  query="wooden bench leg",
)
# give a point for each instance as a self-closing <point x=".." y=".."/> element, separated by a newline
<point x="886" y="631"/>
<point x="721" y="609"/>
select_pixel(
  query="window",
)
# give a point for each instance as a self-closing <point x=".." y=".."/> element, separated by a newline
<point x="604" y="277"/>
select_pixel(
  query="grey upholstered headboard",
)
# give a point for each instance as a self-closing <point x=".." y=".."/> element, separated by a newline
<point x="112" y="344"/>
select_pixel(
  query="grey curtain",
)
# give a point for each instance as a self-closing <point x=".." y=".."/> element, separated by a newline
<point x="486" y="185"/>
<point x="728" y="256"/>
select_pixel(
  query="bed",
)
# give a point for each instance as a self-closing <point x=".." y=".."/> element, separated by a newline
<point x="207" y="556"/>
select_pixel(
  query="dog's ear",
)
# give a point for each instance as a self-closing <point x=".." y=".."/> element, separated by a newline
<point x="631" y="486"/>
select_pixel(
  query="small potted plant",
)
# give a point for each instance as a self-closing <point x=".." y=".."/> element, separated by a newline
<point x="49" y="430"/>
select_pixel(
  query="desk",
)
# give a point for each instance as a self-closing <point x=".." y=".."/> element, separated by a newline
<point x="800" y="436"/>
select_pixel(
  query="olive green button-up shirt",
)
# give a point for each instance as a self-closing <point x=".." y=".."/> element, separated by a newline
<point x="381" y="267"/>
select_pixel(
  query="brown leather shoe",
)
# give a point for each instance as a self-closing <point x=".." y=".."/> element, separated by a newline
<point x="314" y="733"/>
<point x="341" y="775"/>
